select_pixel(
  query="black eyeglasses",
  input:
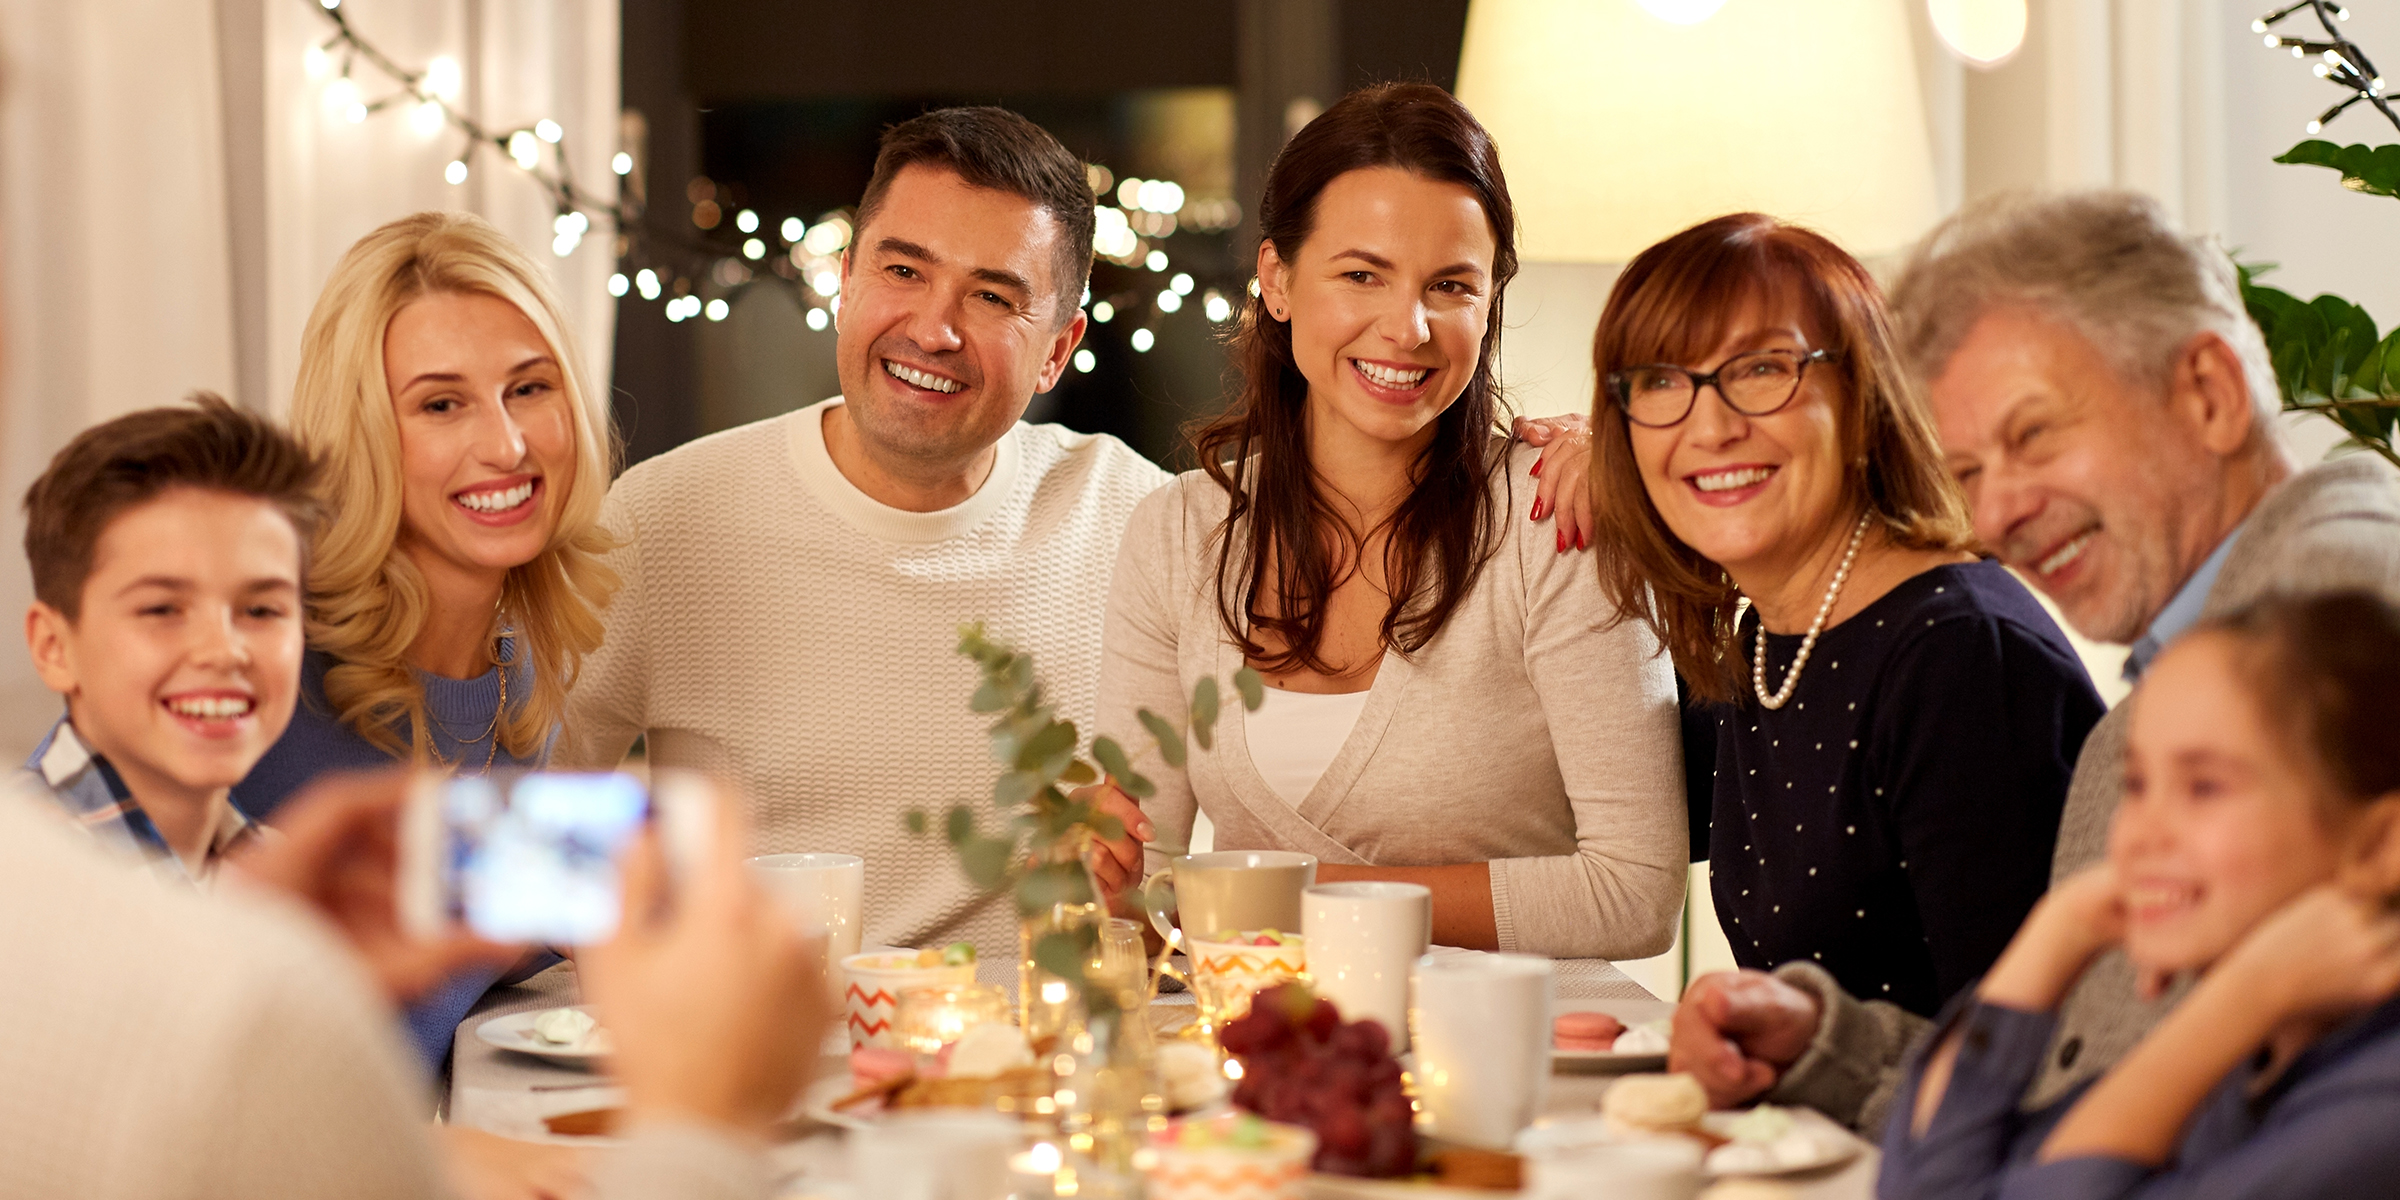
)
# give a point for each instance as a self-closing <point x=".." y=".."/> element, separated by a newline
<point x="1754" y="384"/>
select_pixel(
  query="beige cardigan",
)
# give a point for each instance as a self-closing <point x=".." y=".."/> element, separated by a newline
<point x="1523" y="734"/>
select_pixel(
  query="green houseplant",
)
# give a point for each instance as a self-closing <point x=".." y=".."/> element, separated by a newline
<point x="2329" y="358"/>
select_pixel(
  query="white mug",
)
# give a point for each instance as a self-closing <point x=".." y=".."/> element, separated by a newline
<point x="824" y="893"/>
<point x="1481" y="1027"/>
<point x="1647" y="1169"/>
<point x="1363" y="938"/>
<point x="934" y="1155"/>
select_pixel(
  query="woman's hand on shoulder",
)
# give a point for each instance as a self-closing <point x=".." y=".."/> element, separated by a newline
<point x="2329" y="954"/>
<point x="1563" y="474"/>
<point x="2076" y="919"/>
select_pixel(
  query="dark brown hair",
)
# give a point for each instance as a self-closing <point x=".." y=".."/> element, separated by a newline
<point x="1676" y="303"/>
<point x="2325" y="668"/>
<point x="129" y="461"/>
<point x="997" y="149"/>
<point x="1257" y="451"/>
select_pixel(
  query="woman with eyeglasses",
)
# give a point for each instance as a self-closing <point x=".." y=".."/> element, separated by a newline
<point x="1894" y="720"/>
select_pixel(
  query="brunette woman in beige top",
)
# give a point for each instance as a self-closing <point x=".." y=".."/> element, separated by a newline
<point x="1444" y="705"/>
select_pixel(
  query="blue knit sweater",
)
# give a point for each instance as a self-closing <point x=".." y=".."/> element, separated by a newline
<point x="459" y="716"/>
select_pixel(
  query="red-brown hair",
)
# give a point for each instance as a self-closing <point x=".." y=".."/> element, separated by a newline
<point x="1676" y="303"/>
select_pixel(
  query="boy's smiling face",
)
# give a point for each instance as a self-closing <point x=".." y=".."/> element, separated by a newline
<point x="182" y="666"/>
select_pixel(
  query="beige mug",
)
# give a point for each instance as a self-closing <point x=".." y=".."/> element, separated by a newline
<point x="1236" y="890"/>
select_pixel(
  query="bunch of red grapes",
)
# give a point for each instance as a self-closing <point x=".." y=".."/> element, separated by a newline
<point x="1303" y="1066"/>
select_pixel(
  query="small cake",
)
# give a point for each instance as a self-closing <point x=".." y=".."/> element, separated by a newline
<point x="1585" y="1031"/>
<point x="1655" y="1104"/>
<point x="1234" y="1156"/>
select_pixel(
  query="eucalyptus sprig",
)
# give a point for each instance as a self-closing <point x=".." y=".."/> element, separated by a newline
<point x="1037" y="850"/>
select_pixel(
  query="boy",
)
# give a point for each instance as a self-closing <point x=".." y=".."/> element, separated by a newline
<point x="167" y="549"/>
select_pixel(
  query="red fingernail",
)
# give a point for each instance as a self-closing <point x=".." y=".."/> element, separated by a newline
<point x="1562" y="541"/>
<point x="1536" y="515"/>
<point x="1537" y="467"/>
<point x="1580" y="543"/>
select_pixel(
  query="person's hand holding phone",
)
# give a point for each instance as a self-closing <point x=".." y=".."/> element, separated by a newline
<point x="337" y="850"/>
<point x="717" y="1003"/>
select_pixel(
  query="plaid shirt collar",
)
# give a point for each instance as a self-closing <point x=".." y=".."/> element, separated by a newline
<point x="94" y="796"/>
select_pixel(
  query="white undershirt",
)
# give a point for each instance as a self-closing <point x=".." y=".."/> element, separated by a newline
<point x="1294" y="735"/>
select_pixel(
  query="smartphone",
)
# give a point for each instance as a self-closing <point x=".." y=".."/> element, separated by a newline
<point x="532" y="856"/>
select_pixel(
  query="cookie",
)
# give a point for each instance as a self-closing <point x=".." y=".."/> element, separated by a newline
<point x="1585" y="1031"/>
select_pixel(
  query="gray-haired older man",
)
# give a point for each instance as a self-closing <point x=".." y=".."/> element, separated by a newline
<point x="2110" y="410"/>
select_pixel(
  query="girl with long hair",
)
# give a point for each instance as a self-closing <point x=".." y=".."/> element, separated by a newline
<point x="1442" y="707"/>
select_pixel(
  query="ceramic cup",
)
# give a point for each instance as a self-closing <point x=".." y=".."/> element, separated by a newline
<point x="1203" y="1163"/>
<point x="824" y="893"/>
<point x="1363" y="940"/>
<point x="1645" y="1169"/>
<point x="874" y="982"/>
<point x="1226" y="974"/>
<point x="934" y="1155"/>
<point x="1238" y="889"/>
<point x="1481" y="1027"/>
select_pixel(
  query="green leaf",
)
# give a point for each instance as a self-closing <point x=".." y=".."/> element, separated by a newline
<point x="1204" y="711"/>
<point x="1049" y="751"/>
<point x="2374" y="170"/>
<point x="1062" y="953"/>
<point x="914" y="821"/>
<point x="1135" y="784"/>
<point x="1112" y="758"/>
<point x="1170" y="743"/>
<point x="1046" y="887"/>
<point x="989" y="697"/>
<point x="1079" y="773"/>
<point x="986" y="862"/>
<point x="1014" y="788"/>
<point x="1252" y="687"/>
<point x="1105" y="827"/>
<point x="961" y="825"/>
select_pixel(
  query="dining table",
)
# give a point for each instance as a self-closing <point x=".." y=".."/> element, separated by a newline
<point x="513" y="1094"/>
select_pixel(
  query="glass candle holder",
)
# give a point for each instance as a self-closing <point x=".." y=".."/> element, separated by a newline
<point x="930" y="1019"/>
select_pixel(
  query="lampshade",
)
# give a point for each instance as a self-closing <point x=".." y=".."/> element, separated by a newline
<point x="1623" y="121"/>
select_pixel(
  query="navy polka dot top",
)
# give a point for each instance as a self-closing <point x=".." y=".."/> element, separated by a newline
<point x="1893" y="822"/>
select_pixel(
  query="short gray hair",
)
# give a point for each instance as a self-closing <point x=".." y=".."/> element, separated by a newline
<point x="2109" y="265"/>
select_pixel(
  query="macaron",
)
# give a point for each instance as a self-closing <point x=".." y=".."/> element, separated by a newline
<point x="1585" y="1031"/>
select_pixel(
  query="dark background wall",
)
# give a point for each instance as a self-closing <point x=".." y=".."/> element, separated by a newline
<point x="778" y="106"/>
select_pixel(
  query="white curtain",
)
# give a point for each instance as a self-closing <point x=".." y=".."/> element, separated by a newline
<point x="174" y="190"/>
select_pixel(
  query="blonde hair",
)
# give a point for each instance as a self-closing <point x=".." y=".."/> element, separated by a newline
<point x="367" y="602"/>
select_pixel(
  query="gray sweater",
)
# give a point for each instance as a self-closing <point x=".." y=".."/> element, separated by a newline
<point x="2332" y="527"/>
<point x="1524" y="734"/>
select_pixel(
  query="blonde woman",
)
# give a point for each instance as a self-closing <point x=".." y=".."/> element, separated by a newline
<point x="456" y="585"/>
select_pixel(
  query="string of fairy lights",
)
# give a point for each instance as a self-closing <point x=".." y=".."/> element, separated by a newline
<point x="701" y="274"/>
<point x="2339" y="60"/>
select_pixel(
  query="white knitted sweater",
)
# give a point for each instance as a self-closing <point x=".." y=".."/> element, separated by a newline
<point x="780" y="626"/>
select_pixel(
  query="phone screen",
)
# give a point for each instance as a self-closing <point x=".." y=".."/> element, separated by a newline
<point x="533" y="857"/>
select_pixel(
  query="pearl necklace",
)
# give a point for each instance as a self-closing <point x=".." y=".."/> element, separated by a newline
<point x="1791" y="678"/>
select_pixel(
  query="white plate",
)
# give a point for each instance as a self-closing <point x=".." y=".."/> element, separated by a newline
<point x="1631" y="1012"/>
<point x="1815" y="1142"/>
<point x="817" y="1102"/>
<point x="514" y="1031"/>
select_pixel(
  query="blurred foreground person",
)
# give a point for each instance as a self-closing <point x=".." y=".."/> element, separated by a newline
<point x="248" y="1051"/>
<point x="2109" y="409"/>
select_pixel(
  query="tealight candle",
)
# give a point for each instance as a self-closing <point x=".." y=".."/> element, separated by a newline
<point x="929" y="1020"/>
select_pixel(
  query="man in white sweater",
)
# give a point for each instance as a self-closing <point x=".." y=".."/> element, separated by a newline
<point x="793" y="588"/>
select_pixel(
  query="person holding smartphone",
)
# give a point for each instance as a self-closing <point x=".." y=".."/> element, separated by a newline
<point x="247" y="1050"/>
